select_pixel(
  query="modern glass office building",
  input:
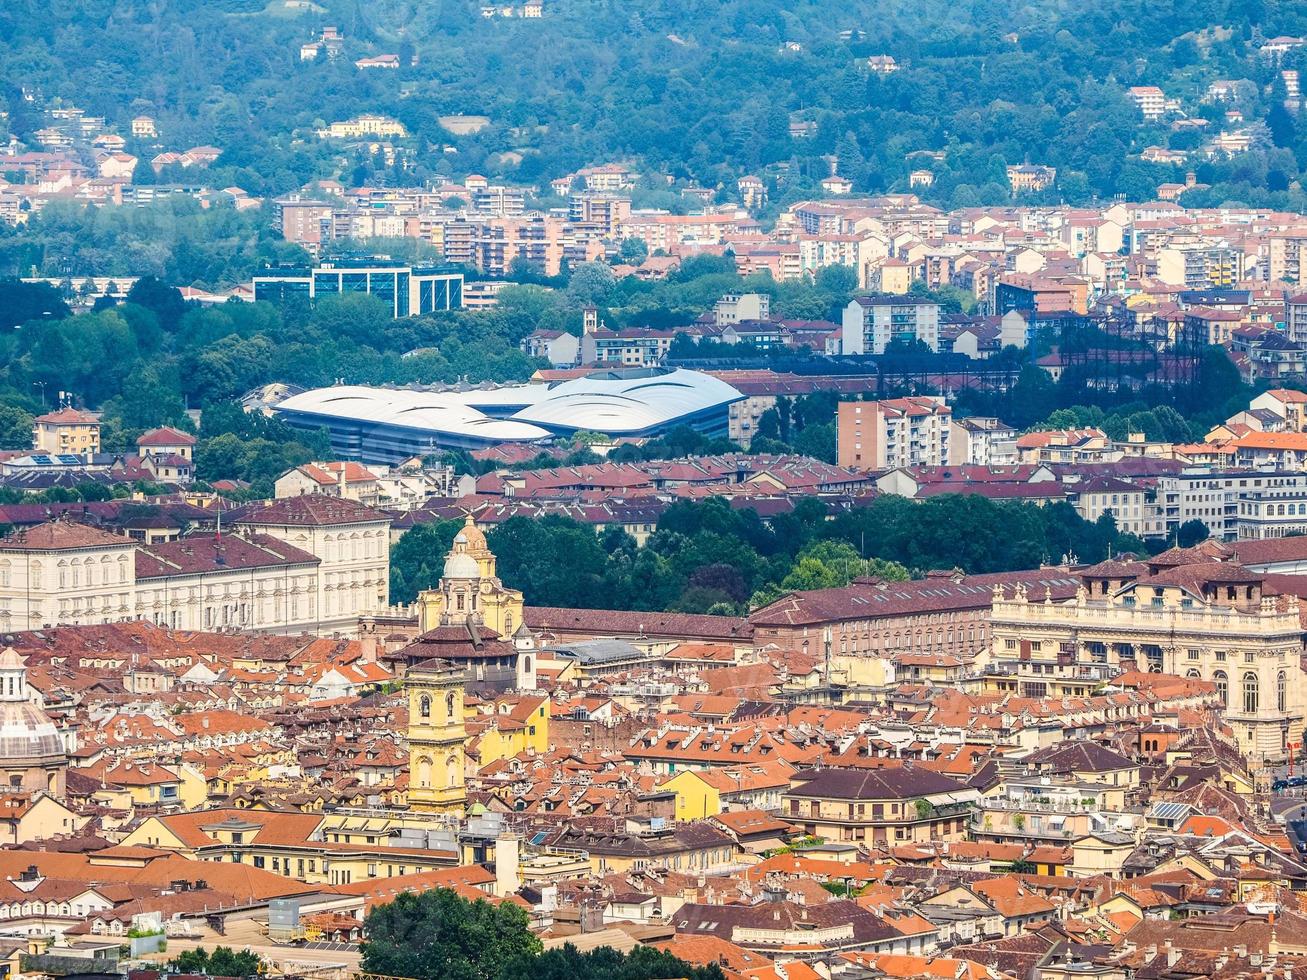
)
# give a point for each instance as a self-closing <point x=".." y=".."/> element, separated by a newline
<point x="407" y="290"/>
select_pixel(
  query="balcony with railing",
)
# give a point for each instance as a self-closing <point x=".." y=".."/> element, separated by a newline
<point x="1266" y="619"/>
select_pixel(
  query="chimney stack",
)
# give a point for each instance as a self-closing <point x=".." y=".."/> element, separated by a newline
<point x="368" y="648"/>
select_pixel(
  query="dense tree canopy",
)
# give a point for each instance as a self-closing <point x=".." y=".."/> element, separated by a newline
<point x="439" y="936"/>
<point x="701" y="91"/>
<point x="418" y="559"/>
<point x="711" y="557"/>
<point x="222" y="961"/>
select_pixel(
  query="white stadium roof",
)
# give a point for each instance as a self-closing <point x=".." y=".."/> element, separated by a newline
<point x="434" y="412"/>
<point x="620" y="404"/>
<point x="615" y="403"/>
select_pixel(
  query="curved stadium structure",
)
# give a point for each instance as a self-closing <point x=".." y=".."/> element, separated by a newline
<point x="385" y="425"/>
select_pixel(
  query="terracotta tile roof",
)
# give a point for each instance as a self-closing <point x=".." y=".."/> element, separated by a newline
<point x="68" y="416"/>
<point x="381" y="890"/>
<point x="899" y="783"/>
<point x="166" y="436"/>
<point x="611" y="622"/>
<point x="707" y="950"/>
<point x="239" y="881"/>
<point x="871" y="599"/>
<point x="214" y="553"/>
<point x="58" y="535"/>
<point x="1291" y="441"/>
<point x="308" y="510"/>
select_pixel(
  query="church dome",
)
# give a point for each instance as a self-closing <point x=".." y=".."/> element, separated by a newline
<point x="470" y="536"/>
<point x="26" y="732"/>
<point x="460" y="565"/>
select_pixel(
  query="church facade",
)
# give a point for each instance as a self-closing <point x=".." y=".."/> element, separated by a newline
<point x="472" y="622"/>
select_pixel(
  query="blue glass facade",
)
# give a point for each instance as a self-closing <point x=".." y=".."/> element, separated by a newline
<point x="405" y="291"/>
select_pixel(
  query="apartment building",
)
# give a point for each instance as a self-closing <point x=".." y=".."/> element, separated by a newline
<point x="981" y="441"/>
<point x="893" y="805"/>
<point x="1129" y="504"/>
<point x="736" y="307"/>
<point x="500" y="201"/>
<point x="603" y="209"/>
<point x="633" y="347"/>
<point x="1287" y="403"/>
<point x="871" y="323"/>
<point x="1234" y="504"/>
<point x="1267" y="450"/>
<point x="1207" y="327"/>
<point x="1285" y="254"/>
<point x="896" y="432"/>
<point x="1295" y="318"/>
<point x="1200" y="265"/>
<point x="1149" y="100"/>
<point x="68" y="431"/>
<point x="1067" y="446"/>
<point x="669" y="232"/>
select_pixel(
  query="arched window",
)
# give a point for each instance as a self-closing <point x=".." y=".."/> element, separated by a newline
<point x="452" y="775"/>
<point x="449" y="705"/>
<point x="526" y="664"/>
<point x="1222" y="687"/>
<point x="424" y="771"/>
<point x="1193" y="673"/>
<point x="1250" y="693"/>
<point x="424" y="706"/>
<point x="1281" y="691"/>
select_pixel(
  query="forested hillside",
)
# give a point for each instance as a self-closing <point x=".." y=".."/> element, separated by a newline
<point x="702" y="91"/>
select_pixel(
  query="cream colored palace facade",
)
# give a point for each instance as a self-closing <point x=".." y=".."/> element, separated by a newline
<point x="278" y="574"/>
<point x="1196" y="618"/>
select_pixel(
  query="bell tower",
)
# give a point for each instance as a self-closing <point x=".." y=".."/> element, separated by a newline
<point x="436" y="737"/>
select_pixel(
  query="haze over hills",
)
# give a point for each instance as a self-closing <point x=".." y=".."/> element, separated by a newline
<point x="702" y="91"/>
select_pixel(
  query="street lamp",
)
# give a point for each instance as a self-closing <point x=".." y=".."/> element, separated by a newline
<point x="41" y="385"/>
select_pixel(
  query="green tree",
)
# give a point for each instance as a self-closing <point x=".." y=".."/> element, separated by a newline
<point x="439" y="936"/>
<point x="1191" y="532"/>
<point x="15" y="427"/>
<point x="591" y="284"/>
<point x="221" y="962"/>
<point x="164" y="301"/>
<point x="605" y="963"/>
<point x="634" y="251"/>
<point x="21" y="302"/>
<point x="418" y="558"/>
<point x="554" y="560"/>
